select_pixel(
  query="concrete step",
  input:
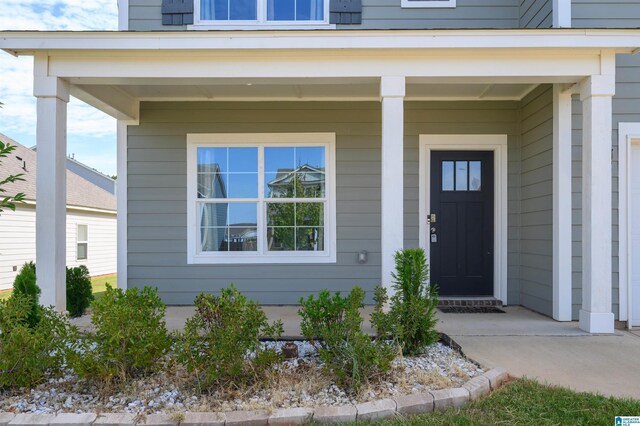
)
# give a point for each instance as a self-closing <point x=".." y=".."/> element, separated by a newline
<point x="469" y="301"/>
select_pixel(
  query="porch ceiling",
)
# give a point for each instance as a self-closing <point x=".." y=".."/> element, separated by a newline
<point x="236" y="89"/>
<point x="115" y="71"/>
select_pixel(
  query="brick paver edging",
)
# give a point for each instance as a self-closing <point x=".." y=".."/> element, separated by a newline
<point x="374" y="410"/>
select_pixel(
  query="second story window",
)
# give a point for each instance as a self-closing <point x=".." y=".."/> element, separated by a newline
<point x="262" y="12"/>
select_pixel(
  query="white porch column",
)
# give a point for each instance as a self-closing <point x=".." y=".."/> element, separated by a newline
<point x="561" y="204"/>
<point x="52" y="96"/>
<point x="596" y="93"/>
<point x="121" y="195"/>
<point x="392" y="91"/>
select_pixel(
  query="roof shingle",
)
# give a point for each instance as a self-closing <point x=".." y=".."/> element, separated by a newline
<point x="80" y="192"/>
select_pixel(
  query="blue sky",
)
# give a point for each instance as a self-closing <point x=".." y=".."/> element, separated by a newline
<point x="91" y="134"/>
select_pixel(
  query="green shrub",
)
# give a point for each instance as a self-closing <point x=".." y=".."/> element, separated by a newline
<point x="25" y="284"/>
<point x="79" y="290"/>
<point x="28" y="353"/>
<point x="411" y="316"/>
<point x="130" y="339"/>
<point x="334" y="326"/>
<point x="221" y="342"/>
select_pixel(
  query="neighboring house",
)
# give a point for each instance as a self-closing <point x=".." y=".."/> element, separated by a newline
<point x="90" y="220"/>
<point x="501" y="136"/>
<point x="92" y="175"/>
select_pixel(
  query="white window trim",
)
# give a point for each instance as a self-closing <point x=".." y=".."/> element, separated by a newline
<point x="495" y="143"/>
<point x="261" y="22"/>
<point x="628" y="135"/>
<point x="561" y="13"/>
<point x="261" y="139"/>
<point x="443" y="4"/>
<point x="78" y="242"/>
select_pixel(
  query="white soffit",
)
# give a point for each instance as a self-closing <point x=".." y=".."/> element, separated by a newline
<point x="279" y="91"/>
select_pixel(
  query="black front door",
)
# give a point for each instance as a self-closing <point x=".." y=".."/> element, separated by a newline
<point x="461" y="222"/>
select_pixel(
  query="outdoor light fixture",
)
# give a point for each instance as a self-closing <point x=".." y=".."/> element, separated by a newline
<point x="362" y="257"/>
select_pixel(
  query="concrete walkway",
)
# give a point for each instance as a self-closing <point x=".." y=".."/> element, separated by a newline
<point x="529" y="344"/>
<point x="177" y="316"/>
<point x="521" y="341"/>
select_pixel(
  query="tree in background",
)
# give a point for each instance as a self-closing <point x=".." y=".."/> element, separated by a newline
<point x="8" y="201"/>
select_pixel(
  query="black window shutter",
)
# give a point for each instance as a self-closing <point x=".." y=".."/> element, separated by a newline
<point x="347" y="12"/>
<point x="177" y="12"/>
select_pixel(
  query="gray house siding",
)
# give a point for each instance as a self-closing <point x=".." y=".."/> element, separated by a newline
<point x="157" y="190"/>
<point x="464" y="118"/>
<point x="626" y="108"/>
<point x="536" y="14"/>
<point x="157" y="198"/>
<point x="146" y="15"/>
<point x="388" y="14"/>
<point x="605" y="14"/>
<point x="536" y="205"/>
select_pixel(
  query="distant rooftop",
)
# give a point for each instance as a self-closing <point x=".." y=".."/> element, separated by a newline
<point x="80" y="192"/>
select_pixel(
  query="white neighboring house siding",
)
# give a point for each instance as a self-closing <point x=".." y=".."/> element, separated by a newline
<point x="18" y="241"/>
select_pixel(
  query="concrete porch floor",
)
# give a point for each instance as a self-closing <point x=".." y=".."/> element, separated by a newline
<point x="529" y="344"/>
<point x="523" y="342"/>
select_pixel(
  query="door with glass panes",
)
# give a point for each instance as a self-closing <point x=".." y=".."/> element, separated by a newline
<point x="461" y="222"/>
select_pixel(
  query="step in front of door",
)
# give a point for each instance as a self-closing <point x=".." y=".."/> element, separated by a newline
<point x="469" y="301"/>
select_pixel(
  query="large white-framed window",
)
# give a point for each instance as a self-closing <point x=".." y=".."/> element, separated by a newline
<point x="82" y="242"/>
<point x="267" y="14"/>
<point x="428" y="3"/>
<point x="261" y="198"/>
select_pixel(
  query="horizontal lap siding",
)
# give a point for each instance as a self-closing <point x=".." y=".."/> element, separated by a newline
<point x="626" y="108"/>
<point x="536" y="14"/>
<point x="102" y="232"/>
<point x="388" y="14"/>
<point x="605" y="14"/>
<point x="157" y="198"/>
<point x="18" y="241"/>
<point x="145" y="15"/>
<point x="464" y="118"/>
<point x="536" y="207"/>
<point x="157" y="190"/>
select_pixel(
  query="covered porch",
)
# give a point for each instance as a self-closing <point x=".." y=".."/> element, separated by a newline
<point x="385" y="83"/>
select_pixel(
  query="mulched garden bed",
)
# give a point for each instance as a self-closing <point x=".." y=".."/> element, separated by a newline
<point x="299" y="382"/>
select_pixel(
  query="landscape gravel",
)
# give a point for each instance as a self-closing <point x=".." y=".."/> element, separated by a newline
<point x="173" y="390"/>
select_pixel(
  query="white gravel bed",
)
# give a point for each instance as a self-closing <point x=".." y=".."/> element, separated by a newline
<point x="299" y="383"/>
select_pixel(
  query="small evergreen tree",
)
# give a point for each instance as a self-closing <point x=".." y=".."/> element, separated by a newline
<point x="411" y="316"/>
<point x="25" y="284"/>
<point x="79" y="290"/>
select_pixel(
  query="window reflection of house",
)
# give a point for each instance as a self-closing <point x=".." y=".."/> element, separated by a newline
<point x="310" y="178"/>
<point x="213" y="221"/>
<point x="242" y="237"/>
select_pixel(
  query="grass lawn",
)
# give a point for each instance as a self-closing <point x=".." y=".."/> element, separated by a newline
<point x="98" y="283"/>
<point x="526" y="402"/>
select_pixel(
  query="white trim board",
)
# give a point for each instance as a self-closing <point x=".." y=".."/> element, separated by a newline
<point x="123" y="15"/>
<point x="628" y="134"/>
<point x="436" y="4"/>
<point x="28" y="42"/>
<point x="561" y="13"/>
<point x="562" y="309"/>
<point x="495" y="143"/>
